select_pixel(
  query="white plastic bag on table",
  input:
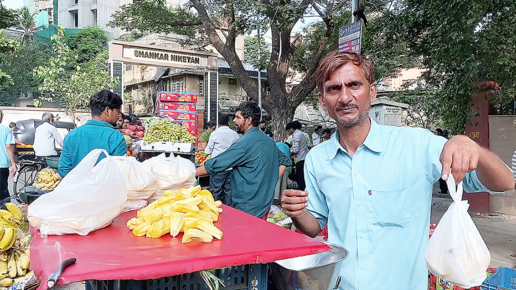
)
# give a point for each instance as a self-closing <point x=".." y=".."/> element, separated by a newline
<point x="172" y="173"/>
<point x="456" y="251"/>
<point x="87" y="199"/>
<point x="140" y="181"/>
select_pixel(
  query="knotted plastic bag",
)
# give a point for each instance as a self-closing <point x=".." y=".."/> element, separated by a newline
<point x="140" y="181"/>
<point x="456" y="251"/>
<point x="172" y="173"/>
<point x="87" y="199"/>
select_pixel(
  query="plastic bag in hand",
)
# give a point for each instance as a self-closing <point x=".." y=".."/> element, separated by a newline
<point x="140" y="181"/>
<point x="87" y="199"/>
<point x="172" y="173"/>
<point x="456" y="251"/>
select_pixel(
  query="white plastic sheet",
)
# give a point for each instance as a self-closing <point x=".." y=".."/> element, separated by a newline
<point x="87" y="199"/>
<point x="456" y="251"/>
<point x="140" y="181"/>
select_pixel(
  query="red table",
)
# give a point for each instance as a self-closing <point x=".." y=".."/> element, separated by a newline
<point x="114" y="253"/>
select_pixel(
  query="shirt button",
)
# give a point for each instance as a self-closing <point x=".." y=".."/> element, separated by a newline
<point x="359" y="204"/>
<point x="370" y="192"/>
<point x="362" y="235"/>
<point x="363" y="267"/>
<point x="356" y="173"/>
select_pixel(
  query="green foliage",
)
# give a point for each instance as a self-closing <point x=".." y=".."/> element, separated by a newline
<point x="27" y="22"/>
<point x="20" y="66"/>
<point x="8" y="17"/>
<point x="72" y="87"/>
<point x="88" y="43"/>
<point x="460" y="44"/>
<point x="251" y="55"/>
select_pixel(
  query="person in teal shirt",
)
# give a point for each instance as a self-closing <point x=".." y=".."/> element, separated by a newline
<point x="256" y="161"/>
<point x="97" y="133"/>
<point x="372" y="184"/>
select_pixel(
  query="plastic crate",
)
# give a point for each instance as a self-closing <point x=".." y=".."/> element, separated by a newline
<point x="245" y="277"/>
<point x="503" y="279"/>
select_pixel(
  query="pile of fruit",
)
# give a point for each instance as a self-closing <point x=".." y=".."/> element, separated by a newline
<point x="138" y="131"/>
<point x="201" y="157"/>
<point x="47" y="179"/>
<point x="191" y="211"/>
<point x="14" y="247"/>
<point x="166" y="131"/>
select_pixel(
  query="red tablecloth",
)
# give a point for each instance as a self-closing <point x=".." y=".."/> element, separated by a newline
<point x="114" y="253"/>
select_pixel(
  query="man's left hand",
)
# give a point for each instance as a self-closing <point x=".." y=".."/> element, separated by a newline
<point x="460" y="155"/>
<point x="13" y="169"/>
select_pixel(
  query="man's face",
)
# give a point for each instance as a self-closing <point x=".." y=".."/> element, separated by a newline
<point x="112" y="115"/>
<point x="241" y="123"/>
<point x="262" y="126"/>
<point x="326" y="135"/>
<point x="51" y="119"/>
<point x="291" y="131"/>
<point x="347" y="95"/>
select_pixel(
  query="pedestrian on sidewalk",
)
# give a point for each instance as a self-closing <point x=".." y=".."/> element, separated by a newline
<point x="7" y="161"/>
<point x="220" y="141"/>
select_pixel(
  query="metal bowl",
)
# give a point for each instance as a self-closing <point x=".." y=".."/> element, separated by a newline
<point x="313" y="272"/>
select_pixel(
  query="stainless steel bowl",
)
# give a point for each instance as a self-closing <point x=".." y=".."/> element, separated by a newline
<point x="312" y="272"/>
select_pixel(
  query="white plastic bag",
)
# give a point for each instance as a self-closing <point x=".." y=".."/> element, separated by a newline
<point x="456" y="251"/>
<point x="172" y="173"/>
<point x="140" y="181"/>
<point x="87" y="199"/>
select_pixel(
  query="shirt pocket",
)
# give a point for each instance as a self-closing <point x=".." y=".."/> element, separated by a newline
<point x="392" y="207"/>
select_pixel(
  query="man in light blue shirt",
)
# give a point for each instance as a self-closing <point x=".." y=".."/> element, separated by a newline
<point x="220" y="140"/>
<point x="7" y="146"/>
<point x="372" y="185"/>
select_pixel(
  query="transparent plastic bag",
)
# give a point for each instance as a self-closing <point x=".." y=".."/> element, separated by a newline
<point x="456" y="251"/>
<point x="87" y="199"/>
<point x="172" y="173"/>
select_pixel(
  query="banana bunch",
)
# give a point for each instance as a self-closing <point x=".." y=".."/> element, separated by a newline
<point x="14" y="247"/>
<point x="47" y="179"/>
<point x="191" y="211"/>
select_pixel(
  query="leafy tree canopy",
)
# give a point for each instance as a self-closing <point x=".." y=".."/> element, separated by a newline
<point x="252" y="55"/>
<point x="88" y="43"/>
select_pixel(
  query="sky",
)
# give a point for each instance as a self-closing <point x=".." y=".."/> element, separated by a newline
<point x="13" y="4"/>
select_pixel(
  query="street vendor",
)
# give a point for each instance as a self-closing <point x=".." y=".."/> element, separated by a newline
<point x="46" y="137"/>
<point x="256" y="161"/>
<point x="97" y="133"/>
<point x="372" y="184"/>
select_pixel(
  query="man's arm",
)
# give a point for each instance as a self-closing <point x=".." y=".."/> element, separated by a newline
<point x="295" y="143"/>
<point x="461" y="155"/>
<point x="211" y="143"/>
<point x="121" y="145"/>
<point x="10" y="152"/>
<point x="57" y="137"/>
<point x="65" y="162"/>
<point x="234" y="156"/>
<point x="282" y="169"/>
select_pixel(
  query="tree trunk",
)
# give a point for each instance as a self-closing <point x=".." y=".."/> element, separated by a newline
<point x="281" y="116"/>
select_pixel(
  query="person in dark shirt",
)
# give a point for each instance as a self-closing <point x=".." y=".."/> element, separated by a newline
<point x="264" y="129"/>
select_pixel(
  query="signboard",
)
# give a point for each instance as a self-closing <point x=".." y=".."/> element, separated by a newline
<point x="164" y="57"/>
<point x="350" y="37"/>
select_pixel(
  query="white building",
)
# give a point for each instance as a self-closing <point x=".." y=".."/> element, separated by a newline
<point x="86" y="13"/>
<point x="38" y="6"/>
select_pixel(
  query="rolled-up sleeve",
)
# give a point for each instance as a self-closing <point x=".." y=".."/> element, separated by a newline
<point x="317" y="205"/>
<point x="283" y="159"/>
<point x="232" y="157"/>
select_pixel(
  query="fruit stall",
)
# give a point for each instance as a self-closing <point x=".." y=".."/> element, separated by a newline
<point x="168" y="242"/>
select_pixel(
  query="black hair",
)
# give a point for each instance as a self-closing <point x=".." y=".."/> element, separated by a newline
<point x="289" y="125"/>
<point x="250" y="110"/>
<point x="318" y="128"/>
<point x="12" y="125"/>
<point x="440" y="131"/>
<point x="210" y="124"/>
<point x="223" y="120"/>
<point x="262" y="122"/>
<point x="327" y="131"/>
<point x="296" y="125"/>
<point x="127" y="118"/>
<point x="102" y="100"/>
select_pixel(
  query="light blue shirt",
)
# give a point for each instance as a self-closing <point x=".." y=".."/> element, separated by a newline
<point x="6" y="137"/>
<point x="380" y="210"/>
<point x="220" y="140"/>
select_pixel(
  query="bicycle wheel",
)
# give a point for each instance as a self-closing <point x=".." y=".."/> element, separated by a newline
<point x="26" y="177"/>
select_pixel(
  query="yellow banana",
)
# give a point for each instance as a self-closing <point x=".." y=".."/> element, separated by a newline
<point x="195" y="234"/>
<point x="11" y="266"/>
<point x="141" y="229"/>
<point x="4" y="256"/>
<point x="6" y="213"/>
<point x="15" y="210"/>
<point x="24" y="261"/>
<point x="7" y="239"/>
<point x="3" y="267"/>
<point x="6" y="282"/>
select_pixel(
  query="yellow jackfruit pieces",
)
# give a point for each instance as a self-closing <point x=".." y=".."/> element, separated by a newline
<point x="195" y="234"/>
<point x="159" y="228"/>
<point x="177" y="220"/>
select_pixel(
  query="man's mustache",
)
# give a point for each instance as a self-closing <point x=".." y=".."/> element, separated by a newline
<point x="346" y="107"/>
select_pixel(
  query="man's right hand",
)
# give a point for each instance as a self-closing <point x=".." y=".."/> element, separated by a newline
<point x="294" y="202"/>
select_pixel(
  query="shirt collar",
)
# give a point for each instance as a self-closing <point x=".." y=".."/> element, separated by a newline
<point x="100" y="123"/>
<point x="251" y="130"/>
<point x="373" y="140"/>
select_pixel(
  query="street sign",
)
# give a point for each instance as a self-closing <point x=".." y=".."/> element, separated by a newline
<point x="350" y="37"/>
